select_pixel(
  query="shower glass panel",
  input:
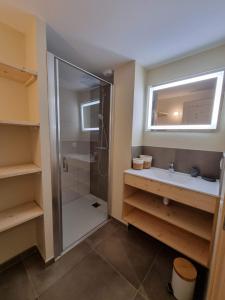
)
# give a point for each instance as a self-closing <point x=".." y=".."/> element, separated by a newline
<point x="83" y="146"/>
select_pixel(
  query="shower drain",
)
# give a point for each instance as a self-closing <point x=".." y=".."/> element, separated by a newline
<point x="96" y="204"/>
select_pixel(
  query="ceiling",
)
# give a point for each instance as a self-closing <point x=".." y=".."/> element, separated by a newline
<point x="100" y="34"/>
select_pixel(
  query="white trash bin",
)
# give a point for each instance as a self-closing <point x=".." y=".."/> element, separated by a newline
<point x="183" y="279"/>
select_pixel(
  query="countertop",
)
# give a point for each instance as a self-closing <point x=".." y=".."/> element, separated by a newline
<point x="178" y="179"/>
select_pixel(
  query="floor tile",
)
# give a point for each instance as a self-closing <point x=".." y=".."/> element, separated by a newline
<point x="91" y="279"/>
<point x="15" y="284"/>
<point x="109" y="265"/>
<point x="155" y="284"/>
<point x="80" y="217"/>
<point x="104" y="232"/>
<point x="139" y="297"/>
<point x="43" y="276"/>
<point x="131" y="252"/>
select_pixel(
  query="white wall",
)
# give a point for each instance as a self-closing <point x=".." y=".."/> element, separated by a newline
<point x="209" y="60"/>
<point x="138" y="106"/>
<point x="69" y="115"/>
<point x="122" y="132"/>
<point x="128" y="111"/>
<point x="40" y="47"/>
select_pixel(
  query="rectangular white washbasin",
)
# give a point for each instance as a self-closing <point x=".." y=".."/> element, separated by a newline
<point x="178" y="179"/>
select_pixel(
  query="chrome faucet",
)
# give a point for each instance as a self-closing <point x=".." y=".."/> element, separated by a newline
<point x="171" y="167"/>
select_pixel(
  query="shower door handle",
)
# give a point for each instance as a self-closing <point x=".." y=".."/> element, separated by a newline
<point x="65" y="164"/>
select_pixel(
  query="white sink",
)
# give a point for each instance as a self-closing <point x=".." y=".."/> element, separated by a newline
<point x="178" y="179"/>
<point x="167" y="176"/>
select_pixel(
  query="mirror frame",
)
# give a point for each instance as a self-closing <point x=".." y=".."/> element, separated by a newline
<point x="87" y="104"/>
<point x="216" y="104"/>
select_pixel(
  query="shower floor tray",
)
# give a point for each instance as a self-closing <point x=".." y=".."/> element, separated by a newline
<point x="80" y="217"/>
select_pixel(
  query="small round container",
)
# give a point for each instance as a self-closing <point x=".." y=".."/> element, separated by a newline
<point x="147" y="161"/>
<point x="183" y="279"/>
<point x="138" y="163"/>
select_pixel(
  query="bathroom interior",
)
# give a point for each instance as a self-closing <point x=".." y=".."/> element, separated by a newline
<point x="112" y="150"/>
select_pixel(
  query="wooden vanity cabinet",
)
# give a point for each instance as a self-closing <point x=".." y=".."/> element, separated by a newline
<point x="186" y="224"/>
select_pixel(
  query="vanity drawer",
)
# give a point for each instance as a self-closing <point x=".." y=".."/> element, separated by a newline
<point x="195" y="199"/>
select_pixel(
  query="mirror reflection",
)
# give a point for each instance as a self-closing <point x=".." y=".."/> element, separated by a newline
<point x="90" y="115"/>
<point x="186" y="104"/>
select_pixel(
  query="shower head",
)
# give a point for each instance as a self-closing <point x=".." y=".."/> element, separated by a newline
<point x="107" y="73"/>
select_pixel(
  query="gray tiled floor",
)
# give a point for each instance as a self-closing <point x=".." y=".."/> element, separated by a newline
<point x="112" y="264"/>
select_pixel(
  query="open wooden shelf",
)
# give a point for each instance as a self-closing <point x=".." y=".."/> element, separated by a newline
<point x="18" y="170"/>
<point x="18" y="74"/>
<point x="190" y="245"/>
<point x="19" y="123"/>
<point x="20" y="214"/>
<point x="193" y="220"/>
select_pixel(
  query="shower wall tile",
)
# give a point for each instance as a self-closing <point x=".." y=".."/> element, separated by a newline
<point x="83" y="147"/>
<point x="99" y="168"/>
<point x="67" y="147"/>
<point x="184" y="159"/>
<point x="75" y="146"/>
<point x="208" y="162"/>
<point x="162" y="157"/>
<point x="136" y="151"/>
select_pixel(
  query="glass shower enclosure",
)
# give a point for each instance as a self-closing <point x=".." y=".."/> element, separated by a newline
<point x="80" y="138"/>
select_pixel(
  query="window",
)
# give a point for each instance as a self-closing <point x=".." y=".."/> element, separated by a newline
<point x="189" y="104"/>
<point x="90" y="116"/>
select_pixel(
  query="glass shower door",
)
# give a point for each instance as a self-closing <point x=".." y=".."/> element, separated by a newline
<point x="83" y="147"/>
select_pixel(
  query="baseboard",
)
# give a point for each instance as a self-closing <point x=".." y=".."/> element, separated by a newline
<point x="18" y="258"/>
<point x="120" y="221"/>
<point x="48" y="261"/>
<point x="23" y="255"/>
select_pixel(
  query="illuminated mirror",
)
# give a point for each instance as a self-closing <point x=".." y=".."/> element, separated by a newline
<point x="186" y="104"/>
<point x="90" y="116"/>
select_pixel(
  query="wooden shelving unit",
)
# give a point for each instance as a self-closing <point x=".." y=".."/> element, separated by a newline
<point x="19" y="116"/>
<point x="189" y="244"/>
<point x="24" y="195"/>
<point x="187" y="224"/>
<point x="12" y="171"/>
<point x="184" y="217"/>
<point x="18" y="215"/>
<point x="19" y="123"/>
<point x="22" y="75"/>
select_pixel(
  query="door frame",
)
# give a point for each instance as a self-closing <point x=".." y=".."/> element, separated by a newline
<point x="55" y="152"/>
